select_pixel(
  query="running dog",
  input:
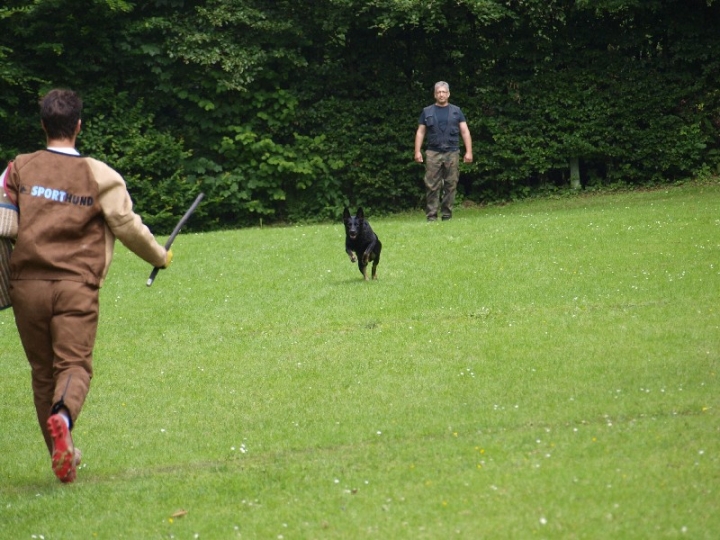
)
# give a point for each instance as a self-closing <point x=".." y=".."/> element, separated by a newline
<point x="360" y="240"/>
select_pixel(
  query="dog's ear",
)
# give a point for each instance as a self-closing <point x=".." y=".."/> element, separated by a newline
<point x="360" y="214"/>
<point x="346" y="213"/>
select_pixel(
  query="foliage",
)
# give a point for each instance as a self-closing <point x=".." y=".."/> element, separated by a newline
<point x="287" y="111"/>
<point x="379" y="171"/>
<point x="120" y="133"/>
<point x="271" y="179"/>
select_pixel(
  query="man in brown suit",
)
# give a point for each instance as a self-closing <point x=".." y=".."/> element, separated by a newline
<point x="71" y="208"/>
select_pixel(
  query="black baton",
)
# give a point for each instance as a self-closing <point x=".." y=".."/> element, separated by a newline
<point x="175" y="232"/>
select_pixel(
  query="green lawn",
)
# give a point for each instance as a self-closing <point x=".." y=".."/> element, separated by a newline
<point x="545" y="369"/>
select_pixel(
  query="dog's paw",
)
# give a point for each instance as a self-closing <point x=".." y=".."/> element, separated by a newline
<point x="353" y="258"/>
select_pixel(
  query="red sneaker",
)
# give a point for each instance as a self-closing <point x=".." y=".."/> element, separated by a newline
<point x="64" y="459"/>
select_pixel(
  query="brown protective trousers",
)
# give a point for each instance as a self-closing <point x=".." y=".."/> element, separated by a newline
<point x="57" y="322"/>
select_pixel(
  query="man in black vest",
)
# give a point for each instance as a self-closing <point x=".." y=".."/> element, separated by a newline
<point x="443" y="122"/>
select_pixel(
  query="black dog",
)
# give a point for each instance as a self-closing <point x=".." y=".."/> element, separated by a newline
<point x="360" y="239"/>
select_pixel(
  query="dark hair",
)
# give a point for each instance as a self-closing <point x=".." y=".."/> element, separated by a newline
<point x="60" y="111"/>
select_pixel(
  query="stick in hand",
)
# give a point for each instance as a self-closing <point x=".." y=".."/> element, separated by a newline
<point x="175" y="232"/>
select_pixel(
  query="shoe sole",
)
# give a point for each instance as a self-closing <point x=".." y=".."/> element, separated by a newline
<point x="63" y="456"/>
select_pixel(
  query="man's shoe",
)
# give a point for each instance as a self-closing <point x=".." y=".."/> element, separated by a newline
<point x="446" y="218"/>
<point x="65" y="458"/>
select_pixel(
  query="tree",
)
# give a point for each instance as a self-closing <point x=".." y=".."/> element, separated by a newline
<point x="288" y="110"/>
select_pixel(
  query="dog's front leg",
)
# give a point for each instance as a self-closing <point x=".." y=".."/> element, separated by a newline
<point x="369" y="253"/>
<point x="374" y="269"/>
<point x="371" y="248"/>
<point x="351" y="255"/>
<point x="363" y="263"/>
<point x="367" y="257"/>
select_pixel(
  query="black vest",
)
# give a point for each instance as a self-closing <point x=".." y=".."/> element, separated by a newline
<point x="440" y="140"/>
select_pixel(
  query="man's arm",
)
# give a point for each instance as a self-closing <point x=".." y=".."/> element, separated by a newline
<point x="121" y="219"/>
<point x="419" y="137"/>
<point x="467" y="141"/>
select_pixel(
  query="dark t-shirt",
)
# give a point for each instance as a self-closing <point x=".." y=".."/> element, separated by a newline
<point x="442" y="113"/>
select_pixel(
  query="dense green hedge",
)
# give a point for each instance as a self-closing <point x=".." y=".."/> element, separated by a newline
<point x="286" y="111"/>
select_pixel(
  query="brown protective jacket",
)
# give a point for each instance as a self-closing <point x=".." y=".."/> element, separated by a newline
<point x="71" y="209"/>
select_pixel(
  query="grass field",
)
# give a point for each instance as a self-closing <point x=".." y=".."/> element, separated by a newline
<point x="545" y="369"/>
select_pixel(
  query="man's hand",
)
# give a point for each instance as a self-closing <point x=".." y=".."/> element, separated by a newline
<point x="168" y="258"/>
<point x="419" y="136"/>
